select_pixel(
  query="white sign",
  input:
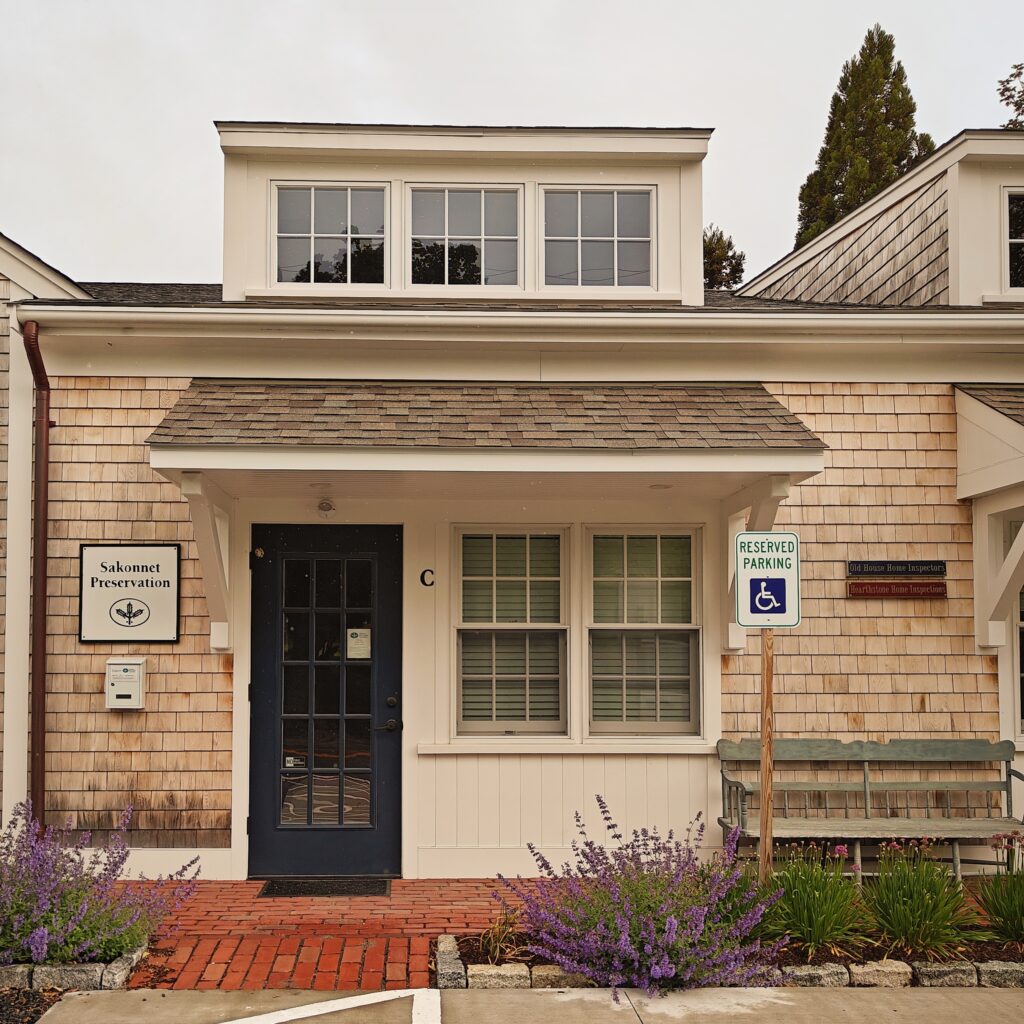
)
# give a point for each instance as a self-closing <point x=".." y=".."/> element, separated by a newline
<point x="768" y="580"/>
<point x="357" y="644"/>
<point x="129" y="593"/>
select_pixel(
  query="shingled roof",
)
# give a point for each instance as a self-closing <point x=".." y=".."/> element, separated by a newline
<point x="433" y="414"/>
<point x="1005" y="398"/>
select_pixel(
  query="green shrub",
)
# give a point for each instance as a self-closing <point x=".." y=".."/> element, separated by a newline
<point x="1001" y="896"/>
<point x="820" y="907"/>
<point x="917" y="905"/>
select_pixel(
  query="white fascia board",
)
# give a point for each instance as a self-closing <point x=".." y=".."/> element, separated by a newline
<point x="990" y="449"/>
<point x="637" y="146"/>
<point x="348" y="323"/>
<point x="795" y="462"/>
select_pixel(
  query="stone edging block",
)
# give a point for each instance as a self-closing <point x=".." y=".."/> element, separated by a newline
<point x="881" y="974"/>
<point x="450" y="970"/>
<point x="83" y="977"/>
<point x="498" y="976"/>
<point x="957" y="975"/>
<point x="1000" y="974"/>
<point x="816" y="976"/>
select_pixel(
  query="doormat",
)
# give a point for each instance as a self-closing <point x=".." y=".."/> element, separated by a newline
<point x="326" y="887"/>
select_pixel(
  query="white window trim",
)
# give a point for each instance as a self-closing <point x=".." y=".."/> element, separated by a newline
<point x="579" y="290"/>
<point x="468" y="291"/>
<point x="1004" y="239"/>
<point x="324" y="287"/>
<point x="512" y="730"/>
<point x="626" y="729"/>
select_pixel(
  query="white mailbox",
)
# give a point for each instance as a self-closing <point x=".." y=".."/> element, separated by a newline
<point x="126" y="683"/>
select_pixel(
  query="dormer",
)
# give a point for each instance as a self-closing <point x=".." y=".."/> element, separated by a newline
<point x="948" y="233"/>
<point x="328" y="212"/>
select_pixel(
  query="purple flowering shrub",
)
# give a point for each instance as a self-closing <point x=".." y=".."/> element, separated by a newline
<point x="645" y="912"/>
<point x="62" y="902"/>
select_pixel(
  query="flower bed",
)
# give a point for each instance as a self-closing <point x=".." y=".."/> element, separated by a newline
<point x="67" y="919"/>
<point x="646" y="912"/>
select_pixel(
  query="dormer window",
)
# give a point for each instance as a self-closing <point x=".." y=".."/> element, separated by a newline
<point x="1016" y="239"/>
<point x="600" y="238"/>
<point x="330" y="235"/>
<point x="465" y="236"/>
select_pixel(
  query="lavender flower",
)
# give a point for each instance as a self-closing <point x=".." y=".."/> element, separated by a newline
<point x="61" y="900"/>
<point x="646" y="911"/>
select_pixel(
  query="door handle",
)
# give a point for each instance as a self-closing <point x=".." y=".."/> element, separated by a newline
<point x="389" y="726"/>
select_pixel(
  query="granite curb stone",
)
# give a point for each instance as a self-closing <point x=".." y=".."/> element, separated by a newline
<point x="64" y="976"/>
<point x="1000" y="974"/>
<point x="450" y="970"/>
<point x="16" y="976"/>
<point x="816" y="976"/>
<point x="552" y="976"/>
<point x="958" y="975"/>
<point x="881" y="974"/>
<point x="498" y="976"/>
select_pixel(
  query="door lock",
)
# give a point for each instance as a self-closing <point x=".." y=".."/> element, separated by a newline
<point x="392" y="702"/>
<point x="390" y="725"/>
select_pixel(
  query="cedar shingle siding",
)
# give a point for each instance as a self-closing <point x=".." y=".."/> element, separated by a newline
<point x="900" y="257"/>
<point x="504" y="416"/>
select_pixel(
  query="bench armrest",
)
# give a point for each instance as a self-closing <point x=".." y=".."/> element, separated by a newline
<point x="734" y="801"/>
<point x="1011" y="773"/>
<point x="731" y="780"/>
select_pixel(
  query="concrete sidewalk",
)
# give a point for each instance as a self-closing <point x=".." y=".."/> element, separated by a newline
<point x="709" y="1006"/>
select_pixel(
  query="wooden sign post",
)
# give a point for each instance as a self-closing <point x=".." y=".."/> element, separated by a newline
<point x="764" y="864"/>
<point x="767" y="598"/>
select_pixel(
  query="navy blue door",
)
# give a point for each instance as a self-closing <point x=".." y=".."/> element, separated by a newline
<point x="326" y="700"/>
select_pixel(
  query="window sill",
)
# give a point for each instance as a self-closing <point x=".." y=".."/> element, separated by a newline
<point x="1011" y="298"/>
<point x="564" y="745"/>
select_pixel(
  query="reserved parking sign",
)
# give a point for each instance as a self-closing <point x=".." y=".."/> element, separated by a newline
<point x="768" y="579"/>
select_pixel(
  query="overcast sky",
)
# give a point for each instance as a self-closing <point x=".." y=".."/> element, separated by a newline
<point x="109" y="164"/>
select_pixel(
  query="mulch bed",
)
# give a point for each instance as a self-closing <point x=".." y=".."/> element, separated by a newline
<point x="974" y="952"/>
<point x="469" y="950"/>
<point x="24" y="1006"/>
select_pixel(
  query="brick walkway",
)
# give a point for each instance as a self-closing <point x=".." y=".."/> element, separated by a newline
<point x="227" y="938"/>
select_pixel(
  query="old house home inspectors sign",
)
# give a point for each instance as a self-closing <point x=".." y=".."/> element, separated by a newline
<point x="129" y="593"/>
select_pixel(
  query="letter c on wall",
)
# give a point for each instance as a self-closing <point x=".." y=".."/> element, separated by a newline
<point x="427" y="577"/>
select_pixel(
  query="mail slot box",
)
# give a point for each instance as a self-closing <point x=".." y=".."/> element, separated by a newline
<point x="126" y="683"/>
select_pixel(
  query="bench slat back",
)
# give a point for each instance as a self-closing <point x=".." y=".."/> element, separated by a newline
<point x="867" y="750"/>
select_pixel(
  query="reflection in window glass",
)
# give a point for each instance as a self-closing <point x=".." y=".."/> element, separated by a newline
<point x="330" y="235"/>
<point x="465" y="236"/>
<point x="597" y="238"/>
<point x="1016" y="219"/>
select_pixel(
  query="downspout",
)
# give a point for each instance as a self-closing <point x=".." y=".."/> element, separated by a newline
<point x="40" y="537"/>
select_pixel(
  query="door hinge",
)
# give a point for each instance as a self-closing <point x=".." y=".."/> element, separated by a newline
<point x="249" y="695"/>
<point x="255" y="557"/>
<point x="248" y="826"/>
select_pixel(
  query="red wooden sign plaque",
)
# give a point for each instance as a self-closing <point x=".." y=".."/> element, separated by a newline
<point x="896" y="588"/>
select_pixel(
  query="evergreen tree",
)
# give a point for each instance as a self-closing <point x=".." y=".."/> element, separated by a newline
<point x="723" y="264"/>
<point x="870" y="141"/>
<point x="1011" y="92"/>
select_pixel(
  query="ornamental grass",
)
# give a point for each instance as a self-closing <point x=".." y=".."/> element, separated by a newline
<point x="1001" y="896"/>
<point x="62" y="901"/>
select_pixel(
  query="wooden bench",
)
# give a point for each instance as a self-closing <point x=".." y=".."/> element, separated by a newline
<point x="864" y="806"/>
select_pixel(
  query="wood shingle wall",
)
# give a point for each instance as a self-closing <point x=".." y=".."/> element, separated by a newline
<point x="874" y="669"/>
<point x="898" y="258"/>
<point x="172" y="760"/>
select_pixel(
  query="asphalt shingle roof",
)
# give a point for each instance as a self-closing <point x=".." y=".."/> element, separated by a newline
<point x="1005" y="398"/>
<point x="436" y="414"/>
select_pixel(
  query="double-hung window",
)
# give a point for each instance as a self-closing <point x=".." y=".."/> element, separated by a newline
<point x="1015" y="221"/>
<point x="511" y="632"/>
<point x="600" y="238"/>
<point x="643" y="635"/>
<point x="330" y="235"/>
<point x="465" y="236"/>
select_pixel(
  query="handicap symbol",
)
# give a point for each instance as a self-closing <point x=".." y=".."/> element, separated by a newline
<point x="768" y="596"/>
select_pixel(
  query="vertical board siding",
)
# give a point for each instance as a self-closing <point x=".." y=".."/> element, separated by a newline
<point x="898" y="258"/>
<point x="172" y="761"/>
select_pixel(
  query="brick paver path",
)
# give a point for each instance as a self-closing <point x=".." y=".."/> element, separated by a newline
<point x="227" y="938"/>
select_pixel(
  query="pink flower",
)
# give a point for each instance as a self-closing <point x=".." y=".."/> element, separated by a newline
<point x="856" y="867"/>
<point x="840" y="850"/>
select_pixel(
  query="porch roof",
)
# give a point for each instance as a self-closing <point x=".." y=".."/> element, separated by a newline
<point x="481" y="415"/>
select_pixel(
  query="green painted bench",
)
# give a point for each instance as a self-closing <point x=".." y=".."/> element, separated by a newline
<point x="864" y="807"/>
